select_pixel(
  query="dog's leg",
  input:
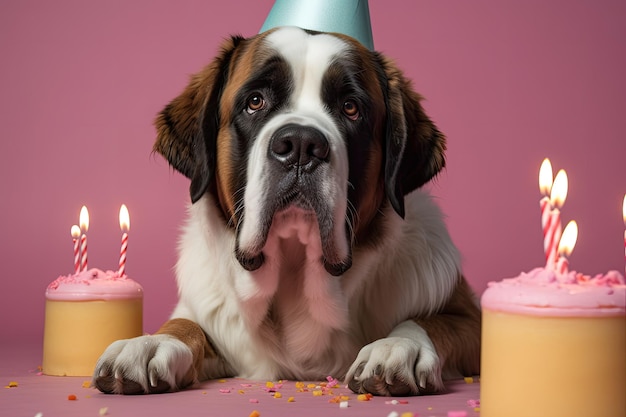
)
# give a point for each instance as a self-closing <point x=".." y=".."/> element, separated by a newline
<point x="171" y="359"/>
<point x="411" y="359"/>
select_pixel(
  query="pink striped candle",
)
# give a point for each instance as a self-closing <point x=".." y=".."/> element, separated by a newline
<point x="545" y="185"/>
<point x="566" y="246"/>
<point x="558" y="194"/>
<point x="125" y="227"/>
<point x="84" y="226"/>
<point x="75" y="231"/>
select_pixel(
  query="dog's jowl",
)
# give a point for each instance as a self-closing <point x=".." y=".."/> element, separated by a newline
<point x="310" y="248"/>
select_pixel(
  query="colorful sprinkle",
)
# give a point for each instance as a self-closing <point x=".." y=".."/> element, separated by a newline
<point x="473" y="403"/>
<point x="457" y="413"/>
<point x="255" y="413"/>
<point x="291" y="399"/>
<point x="103" y="411"/>
<point x="318" y="393"/>
<point x="469" y="380"/>
<point x="72" y="397"/>
<point x="343" y="404"/>
<point x="12" y="384"/>
<point x="364" y="397"/>
<point x="225" y="391"/>
<point x="278" y="395"/>
<point x="269" y="384"/>
<point x="86" y="384"/>
<point x="407" y="414"/>
<point x="253" y="400"/>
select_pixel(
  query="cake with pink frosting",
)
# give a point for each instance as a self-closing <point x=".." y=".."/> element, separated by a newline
<point x="554" y="345"/>
<point x="86" y="312"/>
<point x="93" y="284"/>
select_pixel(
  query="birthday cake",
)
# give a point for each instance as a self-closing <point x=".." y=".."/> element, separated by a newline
<point x="554" y="345"/>
<point x="86" y="312"/>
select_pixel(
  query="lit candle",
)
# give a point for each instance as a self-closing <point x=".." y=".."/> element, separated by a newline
<point x="75" y="231"/>
<point x="84" y="226"/>
<point x="125" y="227"/>
<point x="566" y="246"/>
<point x="558" y="195"/>
<point x="545" y="185"/>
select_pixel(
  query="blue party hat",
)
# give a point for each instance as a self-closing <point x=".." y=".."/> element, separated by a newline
<point x="350" y="17"/>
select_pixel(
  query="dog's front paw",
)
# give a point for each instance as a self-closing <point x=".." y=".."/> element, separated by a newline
<point x="144" y="365"/>
<point x="396" y="366"/>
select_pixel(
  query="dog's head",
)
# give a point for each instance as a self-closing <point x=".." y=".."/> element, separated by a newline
<point x="294" y="121"/>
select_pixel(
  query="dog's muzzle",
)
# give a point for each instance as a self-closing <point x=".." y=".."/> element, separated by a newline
<point x="298" y="158"/>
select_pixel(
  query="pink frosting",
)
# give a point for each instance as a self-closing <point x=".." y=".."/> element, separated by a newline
<point x="544" y="292"/>
<point x="93" y="284"/>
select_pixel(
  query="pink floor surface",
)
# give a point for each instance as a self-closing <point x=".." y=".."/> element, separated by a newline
<point x="47" y="396"/>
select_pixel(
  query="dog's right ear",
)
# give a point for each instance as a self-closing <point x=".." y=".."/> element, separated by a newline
<point x="187" y="127"/>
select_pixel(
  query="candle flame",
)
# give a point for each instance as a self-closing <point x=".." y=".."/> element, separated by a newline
<point x="545" y="177"/>
<point x="568" y="238"/>
<point x="559" y="189"/>
<point x="75" y="231"/>
<point x="84" y="219"/>
<point x="124" y="218"/>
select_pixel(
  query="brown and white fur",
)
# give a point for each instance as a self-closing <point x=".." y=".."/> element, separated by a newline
<point x="310" y="249"/>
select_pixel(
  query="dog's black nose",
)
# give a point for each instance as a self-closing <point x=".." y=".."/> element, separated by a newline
<point x="296" y="145"/>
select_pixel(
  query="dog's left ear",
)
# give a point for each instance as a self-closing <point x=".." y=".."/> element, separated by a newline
<point x="187" y="127"/>
<point x="414" y="146"/>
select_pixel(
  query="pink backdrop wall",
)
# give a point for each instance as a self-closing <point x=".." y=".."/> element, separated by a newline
<point x="508" y="82"/>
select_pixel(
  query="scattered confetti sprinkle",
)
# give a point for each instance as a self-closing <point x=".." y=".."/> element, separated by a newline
<point x="72" y="397"/>
<point x="332" y="382"/>
<point x="255" y="413"/>
<point x="291" y="399"/>
<point x="469" y="380"/>
<point x="457" y="413"/>
<point x="300" y="385"/>
<point x="343" y="404"/>
<point x="86" y="384"/>
<point x="392" y="402"/>
<point x="221" y="381"/>
<point x="473" y="403"/>
<point x="311" y="386"/>
<point x="278" y="395"/>
<point x="12" y="384"/>
<point x="407" y="414"/>
<point x="254" y="401"/>
<point x="103" y="411"/>
<point x="318" y="393"/>
<point x="225" y="391"/>
<point x="364" y="397"/>
<point x="339" y="399"/>
<point x="393" y="414"/>
<point x="269" y="384"/>
<point x="40" y="414"/>
<point x="241" y="391"/>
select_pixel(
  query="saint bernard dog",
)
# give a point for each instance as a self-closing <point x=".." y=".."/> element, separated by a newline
<point x="310" y="248"/>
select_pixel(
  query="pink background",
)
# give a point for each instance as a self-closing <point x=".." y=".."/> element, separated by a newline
<point x="508" y="82"/>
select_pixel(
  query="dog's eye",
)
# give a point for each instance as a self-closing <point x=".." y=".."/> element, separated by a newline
<point x="351" y="110"/>
<point x="256" y="102"/>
